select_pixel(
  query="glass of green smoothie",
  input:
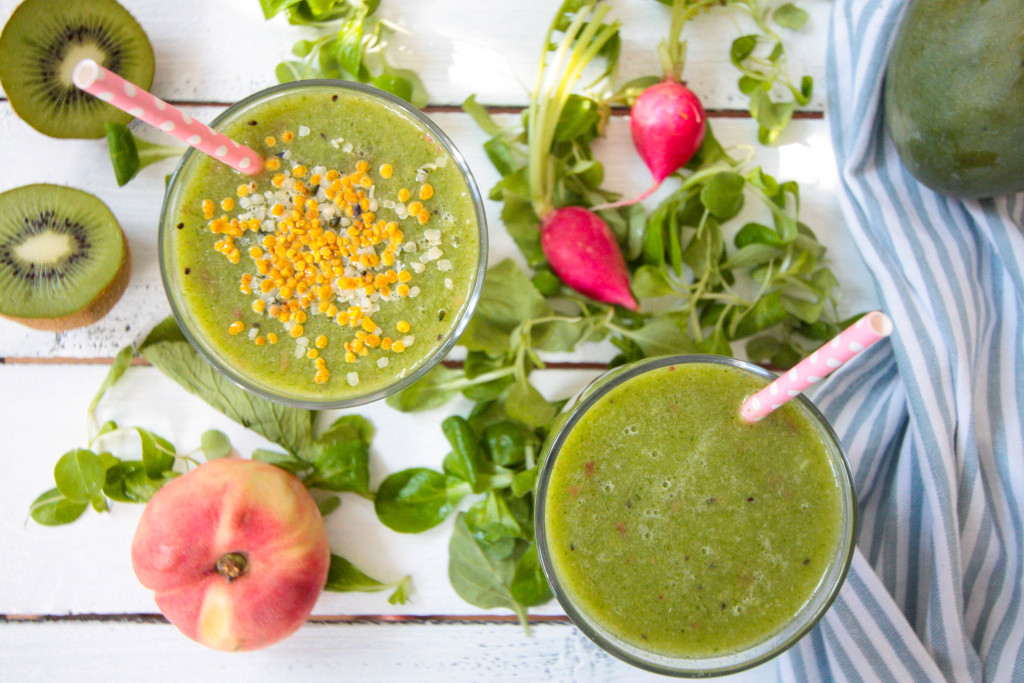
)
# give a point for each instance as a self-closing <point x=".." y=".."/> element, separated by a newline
<point x="681" y="538"/>
<point x="342" y="272"/>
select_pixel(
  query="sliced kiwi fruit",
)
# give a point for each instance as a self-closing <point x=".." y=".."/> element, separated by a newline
<point x="39" y="48"/>
<point x="63" y="258"/>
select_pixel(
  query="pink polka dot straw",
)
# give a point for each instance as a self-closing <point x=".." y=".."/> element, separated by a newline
<point x="851" y="341"/>
<point x="114" y="90"/>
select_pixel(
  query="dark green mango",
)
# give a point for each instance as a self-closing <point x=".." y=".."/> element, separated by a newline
<point x="954" y="95"/>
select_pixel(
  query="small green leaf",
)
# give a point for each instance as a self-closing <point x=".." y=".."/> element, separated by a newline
<point x="526" y="404"/>
<point x="400" y="595"/>
<point x="508" y="443"/>
<point x="345" y="577"/>
<point x="53" y="509"/>
<point x="285" y="461"/>
<point x="660" y="337"/>
<point x="430" y="391"/>
<point x="523" y="482"/>
<point x="579" y="116"/>
<point x="742" y="48"/>
<point x="529" y="587"/>
<point x="155" y="456"/>
<point x="650" y="282"/>
<point x="328" y="505"/>
<point x="79" y="475"/>
<point x="476" y="577"/>
<point x="482" y="117"/>
<point x="124" y="156"/>
<point x="469" y="461"/>
<point x="722" y="195"/>
<point x="790" y="16"/>
<point x="413" y="500"/>
<point x="215" y="444"/>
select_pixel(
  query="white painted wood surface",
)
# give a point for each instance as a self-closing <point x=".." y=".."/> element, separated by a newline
<point x="212" y="53"/>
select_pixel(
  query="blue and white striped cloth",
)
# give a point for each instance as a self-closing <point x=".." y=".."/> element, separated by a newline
<point x="933" y="423"/>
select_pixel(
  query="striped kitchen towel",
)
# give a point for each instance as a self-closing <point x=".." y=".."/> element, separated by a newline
<point x="933" y="422"/>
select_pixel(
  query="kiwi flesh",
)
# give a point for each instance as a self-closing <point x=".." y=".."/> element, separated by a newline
<point x="64" y="260"/>
<point x="39" y="48"/>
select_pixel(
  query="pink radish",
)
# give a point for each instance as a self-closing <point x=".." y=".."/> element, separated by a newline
<point x="668" y="126"/>
<point x="582" y="250"/>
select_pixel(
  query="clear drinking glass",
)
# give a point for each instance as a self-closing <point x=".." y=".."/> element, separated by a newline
<point x="185" y="312"/>
<point x="772" y="643"/>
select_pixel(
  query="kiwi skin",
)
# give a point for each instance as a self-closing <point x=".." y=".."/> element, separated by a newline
<point x="39" y="46"/>
<point x="94" y="310"/>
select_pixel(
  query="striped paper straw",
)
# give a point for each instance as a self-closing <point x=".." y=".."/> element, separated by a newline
<point x="851" y="341"/>
<point x="114" y="90"/>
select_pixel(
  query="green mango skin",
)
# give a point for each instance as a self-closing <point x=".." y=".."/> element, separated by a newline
<point x="954" y="95"/>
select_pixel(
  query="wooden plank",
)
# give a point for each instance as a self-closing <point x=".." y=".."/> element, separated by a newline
<point x="106" y="652"/>
<point x="222" y="51"/>
<point x="805" y="155"/>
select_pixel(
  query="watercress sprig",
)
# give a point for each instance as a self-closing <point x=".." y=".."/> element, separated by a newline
<point x="760" y="58"/>
<point x="130" y="154"/>
<point x="351" y="44"/>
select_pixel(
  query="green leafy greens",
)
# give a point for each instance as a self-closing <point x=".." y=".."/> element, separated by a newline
<point x="130" y="154"/>
<point x="351" y="46"/>
<point x="336" y="460"/>
<point x="704" y="279"/>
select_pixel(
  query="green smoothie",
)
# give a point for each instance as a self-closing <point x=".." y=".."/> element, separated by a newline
<point x="343" y="266"/>
<point x="682" y="530"/>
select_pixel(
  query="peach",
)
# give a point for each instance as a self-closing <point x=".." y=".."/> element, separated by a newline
<point x="235" y="552"/>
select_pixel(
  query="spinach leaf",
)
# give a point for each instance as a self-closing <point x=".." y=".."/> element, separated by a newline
<point x="291" y="428"/>
<point x="476" y="576"/>
<point x="414" y="500"/>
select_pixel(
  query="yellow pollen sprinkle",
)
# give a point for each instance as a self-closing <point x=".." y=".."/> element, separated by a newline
<point x="386" y="170"/>
<point x="312" y="353"/>
<point x="423" y="216"/>
<point x="270" y="141"/>
<point x="272" y="164"/>
<point x="397" y="347"/>
<point x="236" y="327"/>
<point x="385" y="343"/>
<point x="260" y="341"/>
<point x="369" y="325"/>
<point x="287" y="136"/>
<point x="321" y="341"/>
<point x="362" y="166"/>
<point x="259" y="305"/>
<point x="299" y="171"/>
<point x="242" y="190"/>
<point x="272" y="338"/>
<point x="321" y="363"/>
<point x="321" y="376"/>
<point x="403" y="326"/>
<point x="403" y="195"/>
<point x="296" y="331"/>
<point x="350" y="357"/>
<point x="426" y="191"/>
<point x="415" y="208"/>
<point x="278" y="180"/>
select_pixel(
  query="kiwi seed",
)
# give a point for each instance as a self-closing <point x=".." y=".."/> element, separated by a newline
<point x="39" y="48"/>
<point x="63" y="258"/>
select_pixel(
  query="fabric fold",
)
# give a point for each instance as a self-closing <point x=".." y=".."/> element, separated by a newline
<point x="933" y="422"/>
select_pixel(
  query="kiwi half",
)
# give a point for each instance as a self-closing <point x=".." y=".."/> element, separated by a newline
<point x="63" y="258"/>
<point x="39" y="48"/>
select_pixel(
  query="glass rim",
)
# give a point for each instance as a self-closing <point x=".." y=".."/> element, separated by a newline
<point x="807" y="617"/>
<point x="428" y="362"/>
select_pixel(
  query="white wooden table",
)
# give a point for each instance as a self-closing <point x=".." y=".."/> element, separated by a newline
<point x="70" y="606"/>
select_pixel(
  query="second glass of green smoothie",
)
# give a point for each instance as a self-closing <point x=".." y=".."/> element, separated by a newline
<point x="682" y="539"/>
<point x="346" y="269"/>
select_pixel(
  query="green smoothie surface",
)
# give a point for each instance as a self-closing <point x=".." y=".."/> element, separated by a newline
<point x="344" y="265"/>
<point x="679" y="528"/>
